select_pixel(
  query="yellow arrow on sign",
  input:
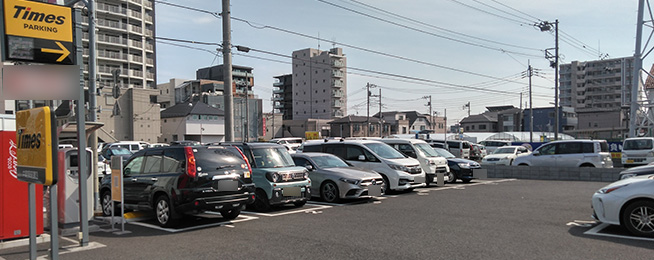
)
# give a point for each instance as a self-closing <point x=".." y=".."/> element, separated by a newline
<point x="63" y="51"/>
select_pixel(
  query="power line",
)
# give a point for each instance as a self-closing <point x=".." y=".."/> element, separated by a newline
<point x="491" y="13"/>
<point x="251" y="24"/>
<point x="497" y="9"/>
<point x="441" y="28"/>
<point x="517" y="10"/>
<point x="425" y="32"/>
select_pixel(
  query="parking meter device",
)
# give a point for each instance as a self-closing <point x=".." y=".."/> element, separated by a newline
<point x="68" y="187"/>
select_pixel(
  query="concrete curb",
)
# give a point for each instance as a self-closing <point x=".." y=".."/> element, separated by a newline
<point x="553" y="173"/>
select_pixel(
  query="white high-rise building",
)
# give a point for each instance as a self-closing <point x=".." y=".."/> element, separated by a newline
<point x="319" y="84"/>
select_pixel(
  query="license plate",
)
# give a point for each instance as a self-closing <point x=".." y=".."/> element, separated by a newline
<point x="419" y="179"/>
<point x="374" y="190"/>
<point x="480" y="173"/>
<point x="291" y="192"/>
<point x="630" y="161"/>
<point x="227" y="185"/>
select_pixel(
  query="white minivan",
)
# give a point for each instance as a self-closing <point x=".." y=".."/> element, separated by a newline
<point x="637" y="151"/>
<point x="398" y="171"/>
<point x="569" y="153"/>
<point x="430" y="161"/>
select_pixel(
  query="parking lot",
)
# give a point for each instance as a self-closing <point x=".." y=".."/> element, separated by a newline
<point x="485" y="219"/>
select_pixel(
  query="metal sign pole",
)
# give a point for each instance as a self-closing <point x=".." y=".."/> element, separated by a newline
<point x="54" y="224"/>
<point x="116" y="188"/>
<point x="81" y="141"/>
<point x="32" y="221"/>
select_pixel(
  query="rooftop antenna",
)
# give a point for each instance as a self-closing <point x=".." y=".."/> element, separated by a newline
<point x="318" y="40"/>
<point x="333" y="42"/>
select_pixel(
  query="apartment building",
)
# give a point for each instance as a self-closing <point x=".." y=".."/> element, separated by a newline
<point x="319" y="84"/>
<point x="283" y="96"/>
<point x="125" y="31"/>
<point x="600" y="93"/>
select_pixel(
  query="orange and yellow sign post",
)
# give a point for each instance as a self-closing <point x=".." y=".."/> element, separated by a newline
<point x="35" y="149"/>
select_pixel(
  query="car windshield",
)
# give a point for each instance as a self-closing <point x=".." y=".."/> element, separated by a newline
<point x="272" y="157"/>
<point x="510" y="150"/>
<point x="384" y="151"/>
<point x="642" y="144"/>
<point x="120" y="151"/>
<point x="444" y="153"/>
<point x="427" y="150"/>
<point x="329" y="162"/>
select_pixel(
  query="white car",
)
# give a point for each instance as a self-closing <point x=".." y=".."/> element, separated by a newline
<point x="628" y="202"/>
<point x="569" y="153"/>
<point x="505" y="155"/>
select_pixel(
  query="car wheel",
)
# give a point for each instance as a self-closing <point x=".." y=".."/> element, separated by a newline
<point x="387" y="186"/>
<point x="588" y="165"/>
<point x="261" y="202"/>
<point x="164" y="212"/>
<point x="300" y="203"/>
<point x="230" y="214"/>
<point x="107" y="209"/>
<point x="329" y="192"/>
<point x="451" y="177"/>
<point x="638" y="218"/>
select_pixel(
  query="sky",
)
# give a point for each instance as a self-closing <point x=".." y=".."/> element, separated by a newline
<point x="456" y="51"/>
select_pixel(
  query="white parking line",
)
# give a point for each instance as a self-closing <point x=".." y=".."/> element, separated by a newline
<point x="595" y="232"/>
<point x="310" y="210"/>
<point x="240" y="218"/>
<point x="462" y="186"/>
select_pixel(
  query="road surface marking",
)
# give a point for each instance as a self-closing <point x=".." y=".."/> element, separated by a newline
<point x="595" y="232"/>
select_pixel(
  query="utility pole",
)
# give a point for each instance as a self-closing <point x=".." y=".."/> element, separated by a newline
<point x="227" y="72"/>
<point x="638" y="64"/>
<point x="556" y="80"/>
<point x="93" y="137"/>
<point x="445" y="125"/>
<point x="530" y="72"/>
<point x="544" y="27"/>
<point x="368" y="109"/>
<point x="273" y="119"/>
<point x="430" y="113"/>
<point x="247" y="115"/>
<point x="381" y="123"/>
<point x="467" y="105"/>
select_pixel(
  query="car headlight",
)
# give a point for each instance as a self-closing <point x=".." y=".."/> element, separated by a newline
<point x="430" y="162"/>
<point x="504" y="158"/>
<point x="350" y="181"/>
<point x="398" y="167"/>
<point x="464" y="165"/>
<point x="627" y="175"/>
<point x="273" y="176"/>
<point x="624" y="156"/>
<point x="306" y="174"/>
<point x="611" y="189"/>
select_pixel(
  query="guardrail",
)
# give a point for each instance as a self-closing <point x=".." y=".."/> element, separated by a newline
<point x="553" y="173"/>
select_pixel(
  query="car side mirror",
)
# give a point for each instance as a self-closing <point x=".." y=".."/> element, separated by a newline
<point x="362" y="157"/>
<point x="309" y="167"/>
<point x="126" y="171"/>
<point x="536" y="153"/>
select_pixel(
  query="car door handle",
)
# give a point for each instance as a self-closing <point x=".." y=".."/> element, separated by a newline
<point x="153" y="179"/>
<point x="134" y="179"/>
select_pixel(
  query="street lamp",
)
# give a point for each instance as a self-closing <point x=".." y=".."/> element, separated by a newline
<point x="546" y="26"/>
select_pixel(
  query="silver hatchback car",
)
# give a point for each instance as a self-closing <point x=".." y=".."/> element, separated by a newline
<point x="333" y="179"/>
<point x="569" y="153"/>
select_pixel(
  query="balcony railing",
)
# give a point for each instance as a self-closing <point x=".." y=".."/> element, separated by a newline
<point x="135" y="14"/>
<point x="337" y="83"/>
<point x="149" y="75"/>
<point x="337" y="103"/>
<point x="137" y="44"/>
<point x="148" y="47"/>
<point x="278" y="91"/>
<point x="338" y="63"/>
<point x="148" y="32"/>
<point x="337" y="74"/>
<point x="110" y="8"/>
<point x="149" y="61"/>
<point x="108" y="23"/>
<point x="337" y="93"/>
<point x="135" y="29"/>
<point x="135" y="58"/>
<point x="278" y="84"/>
<point x="112" y="55"/>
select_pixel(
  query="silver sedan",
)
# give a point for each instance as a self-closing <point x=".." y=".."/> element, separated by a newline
<point x="333" y="179"/>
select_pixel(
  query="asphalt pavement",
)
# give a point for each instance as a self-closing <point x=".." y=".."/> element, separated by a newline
<point x="485" y="219"/>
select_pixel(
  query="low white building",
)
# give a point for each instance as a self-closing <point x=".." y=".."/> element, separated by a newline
<point x="195" y="121"/>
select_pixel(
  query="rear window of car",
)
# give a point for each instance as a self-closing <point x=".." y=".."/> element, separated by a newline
<point x="465" y="145"/>
<point x="604" y="147"/>
<point x="213" y="158"/>
<point x="311" y="148"/>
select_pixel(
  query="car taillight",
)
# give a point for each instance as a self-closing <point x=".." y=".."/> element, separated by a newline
<point x="247" y="163"/>
<point x="190" y="162"/>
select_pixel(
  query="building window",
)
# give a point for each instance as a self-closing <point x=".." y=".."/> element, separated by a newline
<point x="482" y="127"/>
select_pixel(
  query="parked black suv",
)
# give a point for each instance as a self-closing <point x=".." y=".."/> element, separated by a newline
<point x="177" y="180"/>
